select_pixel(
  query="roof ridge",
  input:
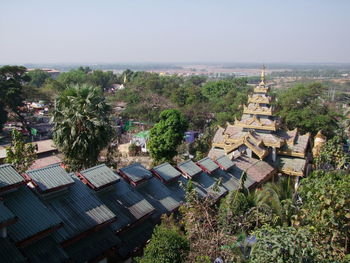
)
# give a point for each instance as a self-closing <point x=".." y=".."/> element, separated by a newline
<point x="44" y="168"/>
<point x="94" y="167"/>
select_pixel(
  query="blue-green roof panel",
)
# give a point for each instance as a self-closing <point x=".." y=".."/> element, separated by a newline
<point x="5" y="214"/>
<point x="50" y="177"/>
<point x="159" y="196"/>
<point x="208" y="164"/>
<point x="166" y="171"/>
<point x="100" y="175"/>
<point x="33" y="216"/>
<point x="9" y="176"/>
<point x="225" y="162"/>
<point x="190" y="168"/>
<point x="136" y="172"/>
<point x="9" y="253"/>
<point x="45" y="250"/>
<point x="94" y="245"/>
<point x="209" y="185"/>
<point x="79" y="210"/>
<point x="135" y="238"/>
<point x="128" y="205"/>
<point x="228" y="181"/>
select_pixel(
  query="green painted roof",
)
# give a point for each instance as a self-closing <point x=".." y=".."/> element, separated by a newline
<point x="208" y="164"/>
<point x="34" y="217"/>
<point x="225" y="162"/>
<point x="136" y="172"/>
<point x="5" y="214"/>
<point x="79" y="210"/>
<point x="166" y="171"/>
<point x="93" y="245"/>
<point x="190" y="168"/>
<point x="135" y="238"/>
<point x="128" y="205"/>
<point x="9" y="176"/>
<point x="159" y="196"/>
<point x="50" y="177"/>
<point x="45" y="250"/>
<point x="100" y="175"/>
<point x="142" y="134"/>
<point x="9" y="252"/>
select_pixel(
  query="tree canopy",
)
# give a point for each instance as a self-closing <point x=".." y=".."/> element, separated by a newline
<point x="81" y="125"/>
<point x="303" y="107"/>
<point x="166" y="135"/>
<point x="21" y="155"/>
<point x="12" y="79"/>
<point x="167" y="245"/>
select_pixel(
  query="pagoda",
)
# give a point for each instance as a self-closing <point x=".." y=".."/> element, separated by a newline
<point x="258" y="134"/>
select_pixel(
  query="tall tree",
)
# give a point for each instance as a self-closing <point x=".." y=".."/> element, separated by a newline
<point x="12" y="79"/>
<point x="81" y="125"/>
<point x="166" y="135"/>
<point x="21" y="155"/>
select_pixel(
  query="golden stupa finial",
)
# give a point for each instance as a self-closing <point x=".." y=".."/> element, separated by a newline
<point x="262" y="77"/>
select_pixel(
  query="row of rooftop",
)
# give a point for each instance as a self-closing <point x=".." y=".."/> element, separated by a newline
<point x="49" y="215"/>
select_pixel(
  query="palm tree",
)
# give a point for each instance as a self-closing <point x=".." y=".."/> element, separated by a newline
<point x="280" y="197"/>
<point x="81" y="125"/>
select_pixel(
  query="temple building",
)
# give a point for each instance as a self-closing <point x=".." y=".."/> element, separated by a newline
<point x="258" y="135"/>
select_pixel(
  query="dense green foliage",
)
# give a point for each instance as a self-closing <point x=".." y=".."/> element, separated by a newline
<point x="12" y="79"/>
<point x="282" y="245"/>
<point x="147" y="94"/>
<point x="166" y="135"/>
<point x="83" y="75"/>
<point x="167" y="245"/>
<point x="332" y="155"/>
<point x="303" y="107"/>
<point x="326" y="210"/>
<point x="21" y="155"/>
<point x="38" y="77"/>
<point x="81" y="125"/>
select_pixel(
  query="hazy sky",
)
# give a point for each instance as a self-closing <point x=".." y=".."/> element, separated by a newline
<point x="78" y="31"/>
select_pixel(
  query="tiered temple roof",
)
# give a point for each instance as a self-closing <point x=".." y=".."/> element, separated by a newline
<point x="258" y="134"/>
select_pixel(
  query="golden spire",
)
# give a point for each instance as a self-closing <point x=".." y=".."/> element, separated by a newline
<point x="263" y="76"/>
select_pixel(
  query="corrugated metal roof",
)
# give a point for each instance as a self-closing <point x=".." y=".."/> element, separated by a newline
<point x="50" y="177"/>
<point x="126" y="203"/>
<point x="33" y="215"/>
<point x="177" y="187"/>
<point x="225" y="162"/>
<point x="9" y="176"/>
<point x="93" y="246"/>
<point x="45" y="250"/>
<point x="207" y="185"/>
<point x="256" y="170"/>
<point x="100" y="175"/>
<point x="166" y="171"/>
<point x="189" y="167"/>
<point x="9" y="252"/>
<point x="228" y="181"/>
<point x="136" y="172"/>
<point x="208" y="164"/>
<point x="5" y="213"/>
<point x="79" y="210"/>
<point x="159" y="196"/>
<point x="135" y="238"/>
<point x="237" y="173"/>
